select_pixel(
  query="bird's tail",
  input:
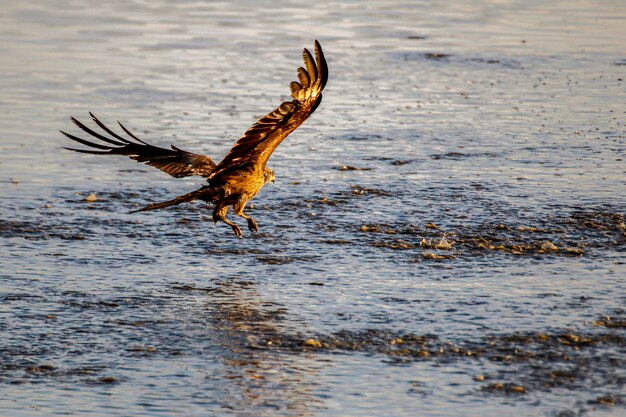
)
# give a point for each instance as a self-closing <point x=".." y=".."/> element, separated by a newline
<point x="202" y="194"/>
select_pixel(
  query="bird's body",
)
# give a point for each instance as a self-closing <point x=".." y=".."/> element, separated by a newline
<point x="243" y="171"/>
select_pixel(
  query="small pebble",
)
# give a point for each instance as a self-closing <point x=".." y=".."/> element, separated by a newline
<point x="312" y="343"/>
<point x="549" y="247"/>
<point x="431" y="255"/>
<point x="574" y="251"/>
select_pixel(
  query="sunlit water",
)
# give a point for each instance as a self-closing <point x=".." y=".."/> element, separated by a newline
<point x="468" y="115"/>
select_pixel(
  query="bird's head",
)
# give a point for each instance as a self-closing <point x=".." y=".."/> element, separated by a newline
<point x="269" y="175"/>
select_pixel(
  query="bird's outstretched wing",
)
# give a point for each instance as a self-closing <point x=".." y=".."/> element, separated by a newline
<point x="176" y="162"/>
<point x="257" y="144"/>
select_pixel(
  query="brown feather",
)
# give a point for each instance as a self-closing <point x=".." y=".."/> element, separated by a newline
<point x="303" y="77"/>
<point x="256" y="145"/>
<point x="295" y="86"/>
<point x="310" y="63"/>
<point x="175" y="162"/>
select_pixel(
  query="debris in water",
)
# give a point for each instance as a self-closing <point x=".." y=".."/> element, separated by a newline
<point x="352" y="168"/>
<point x="610" y="322"/>
<point x="432" y="255"/>
<point x="41" y="368"/>
<point x="606" y="400"/>
<point x="548" y="246"/>
<point x="91" y="198"/>
<point x="365" y="228"/>
<point x="507" y="388"/>
<point x="358" y="190"/>
<point x="574" y="251"/>
<point x="394" y="244"/>
<point x="444" y="244"/>
<point x="312" y="343"/>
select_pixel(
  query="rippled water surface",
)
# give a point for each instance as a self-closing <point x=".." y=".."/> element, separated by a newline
<point x="474" y="266"/>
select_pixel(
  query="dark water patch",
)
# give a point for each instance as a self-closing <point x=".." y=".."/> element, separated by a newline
<point x="400" y="162"/>
<point x="572" y="235"/>
<point x="396" y="244"/>
<point x="520" y="362"/>
<point x="133" y="170"/>
<point x="384" y="228"/>
<point x="185" y="288"/>
<point x="611" y="322"/>
<point x="392" y="161"/>
<point x="336" y="242"/>
<point x="609" y="400"/>
<point x="7" y="298"/>
<point x="359" y="137"/>
<point x="37" y="230"/>
<point x="27" y="372"/>
<point x="104" y="196"/>
<point x="437" y="56"/>
<point x="357" y="190"/>
<point x="338" y="198"/>
<point x="104" y="380"/>
<point x="352" y="168"/>
<point x="235" y="251"/>
<point x="325" y="201"/>
<point x="98" y="304"/>
<point x="560" y="360"/>
<point x="465" y="61"/>
<point x="281" y="260"/>
<point x="500" y="387"/>
<point x="462" y="155"/>
<point x="83" y="301"/>
<point x="507" y="63"/>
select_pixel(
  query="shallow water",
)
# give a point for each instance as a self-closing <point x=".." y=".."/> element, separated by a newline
<point x="497" y="125"/>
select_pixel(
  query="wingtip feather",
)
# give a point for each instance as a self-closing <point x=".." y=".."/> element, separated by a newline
<point x="322" y="65"/>
<point x="310" y="64"/>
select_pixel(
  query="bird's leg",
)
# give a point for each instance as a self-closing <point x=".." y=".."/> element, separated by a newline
<point x="239" y="206"/>
<point x="219" y="213"/>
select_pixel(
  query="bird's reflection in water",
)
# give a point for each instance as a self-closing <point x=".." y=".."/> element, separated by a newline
<point x="257" y="377"/>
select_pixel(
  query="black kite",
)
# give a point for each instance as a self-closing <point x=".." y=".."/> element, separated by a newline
<point x="243" y="172"/>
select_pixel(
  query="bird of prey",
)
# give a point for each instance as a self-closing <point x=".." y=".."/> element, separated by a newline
<point x="243" y="171"/>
